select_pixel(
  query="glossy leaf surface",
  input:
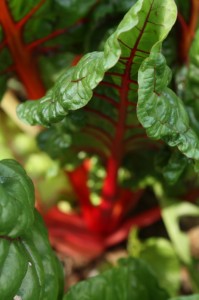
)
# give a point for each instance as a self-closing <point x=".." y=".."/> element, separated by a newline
<point x="29" y="269"/>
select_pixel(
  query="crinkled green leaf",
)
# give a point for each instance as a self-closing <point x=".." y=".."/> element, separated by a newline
<point x="160" y="111"/>
<point x="133" y="39"/>
<point x="130" y="280"/>
<point x="29" y="268"/>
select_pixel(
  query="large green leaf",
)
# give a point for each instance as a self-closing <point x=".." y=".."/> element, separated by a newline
<point x="130" y="280"/>
<point x="160" y="111"/>
<point x="29" y="269"/>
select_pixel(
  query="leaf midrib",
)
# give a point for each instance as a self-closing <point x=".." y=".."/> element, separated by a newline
<point x="110" y="187"/>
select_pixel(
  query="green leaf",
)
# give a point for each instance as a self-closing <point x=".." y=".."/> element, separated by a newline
<point x="160" y="111"/>
<point x="130" y="280"/>
<point x="156" y="252"/>
<point x="133" y="39"/>
<point x="29" y="268"/>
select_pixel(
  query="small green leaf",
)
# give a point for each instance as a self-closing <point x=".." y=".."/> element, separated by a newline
<point x="132" y="279"/>
<point x="156" y="252"/>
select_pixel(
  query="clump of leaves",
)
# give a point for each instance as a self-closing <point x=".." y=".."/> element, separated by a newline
<point x="109" y="118"/>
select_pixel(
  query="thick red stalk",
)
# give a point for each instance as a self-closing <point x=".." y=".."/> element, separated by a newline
<point x="78" y="179"/>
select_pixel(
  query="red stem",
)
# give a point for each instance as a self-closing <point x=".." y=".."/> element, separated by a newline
<point x="53" y="35"/>
<point x="110" y="188"/>
<point x="78" y="179"/>
<point x="23" y="60"/>
<point x="188" y="31"/>
<point x="143" y="219"/>
<point x="24" y="20"/>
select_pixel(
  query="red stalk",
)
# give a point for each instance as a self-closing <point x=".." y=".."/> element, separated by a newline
<point x="23" y="60"/>
<point x="143" y="219"/>
<point x="188" y="30"/>
<point x="27" y="17"/>
<point x="78" y="179"/>
<point x="110" y="187"/>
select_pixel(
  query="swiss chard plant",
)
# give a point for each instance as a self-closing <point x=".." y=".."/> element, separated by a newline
<point x="111" y="108"/>
<point x="116" y="120"/>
